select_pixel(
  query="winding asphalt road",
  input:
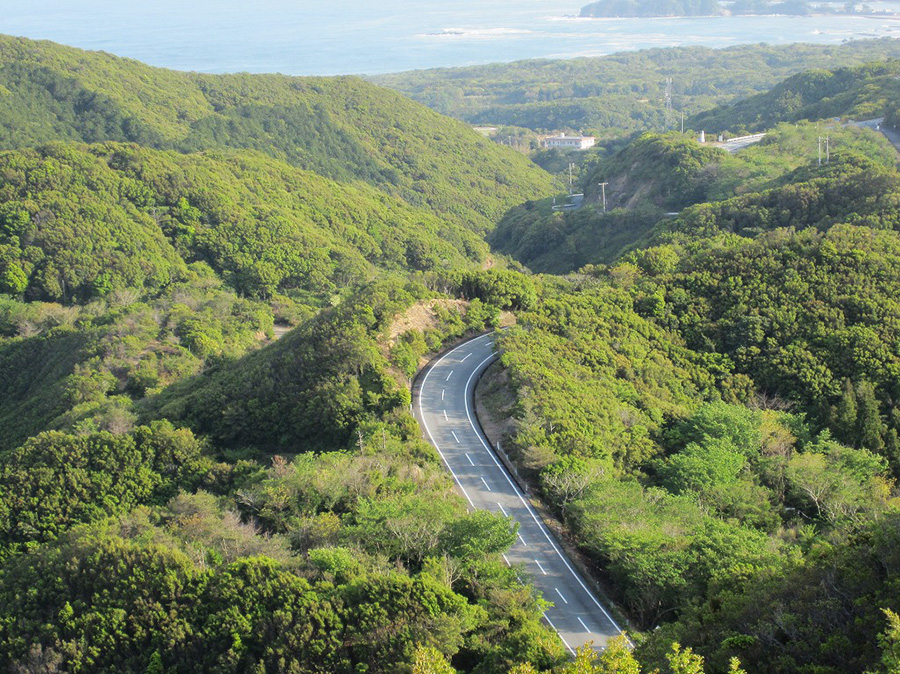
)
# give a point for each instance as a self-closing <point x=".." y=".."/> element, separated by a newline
<point x="443" y="401"/>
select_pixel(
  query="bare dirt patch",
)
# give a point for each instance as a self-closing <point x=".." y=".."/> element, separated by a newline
<point x="421" y="316"/>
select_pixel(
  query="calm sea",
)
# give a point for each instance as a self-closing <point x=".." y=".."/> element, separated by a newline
<point x="334" y="37"/>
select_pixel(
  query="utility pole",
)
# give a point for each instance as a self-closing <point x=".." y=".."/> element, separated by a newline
<point x="668" y="101"/>
<point x="820" y="150"/>
<point x="603" y="190"/>
<point x="827" y="152"/>
<point x="571" y="166"/>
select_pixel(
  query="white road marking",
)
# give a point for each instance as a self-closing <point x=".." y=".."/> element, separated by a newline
<point x="466" y="358"/>
<point x="486" y="484"/>
<point x="442" y="393"/>
<point x="540" y="567"/>
<point x="523" y="541"/>
<point x="550" y="622"/>
<point x="428" y="430"/>
<point x="502" y="510"/>
<point x="454" y="437"/>
<point x="583" y="625"/>
<point x="472" y="463"/>
<point x="449" y="375"/>
<point x="445" y="416"/>
<point x="515" y="488"/>
<point x="561" y="595"/>
<point x="525" y="503"/>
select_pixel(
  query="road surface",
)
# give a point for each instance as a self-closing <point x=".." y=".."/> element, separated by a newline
<point x="443" y="401"/>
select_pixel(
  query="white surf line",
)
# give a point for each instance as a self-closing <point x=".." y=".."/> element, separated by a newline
<point x="428" y="430"/>
<point x="445" y="416"/>
<point x="525" y="502"/>
<point x="449" y="375"/>
<point x="453" y="433"/>
<point x="550" y="622"/>
<point x="540" y="567"/>
<point x="521" y="539"/>
<point x="471" y="463"/>
<point x="486" y="485"/>
<point x="503" y="510"/>
<point x="583" y="625"/>
<point x="561" y="595"/>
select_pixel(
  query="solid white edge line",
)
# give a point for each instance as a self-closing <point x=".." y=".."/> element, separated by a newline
<point x="425" y="423"/>
<point x="508" y="478"/>
<point x="522" y="497"/>
<point x="559" y="634"/>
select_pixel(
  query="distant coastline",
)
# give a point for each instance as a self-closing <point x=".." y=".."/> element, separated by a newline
<point x="710" y="8"/>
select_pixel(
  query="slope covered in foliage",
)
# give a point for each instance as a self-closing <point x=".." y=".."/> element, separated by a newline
<point x="657" y="178"/>
<point x="81" y="221"/>
<point x="621" y="91"/>
<point x="341" y="128"/>
<point x="863" y="92"/>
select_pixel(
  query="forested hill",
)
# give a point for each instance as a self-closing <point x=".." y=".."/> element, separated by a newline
<point x="341" y="128"/>
<point x="621" y="91"/>
<point x="862" y="92"/>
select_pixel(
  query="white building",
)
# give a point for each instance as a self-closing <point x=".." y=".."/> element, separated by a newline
<point x="570" y="142"/>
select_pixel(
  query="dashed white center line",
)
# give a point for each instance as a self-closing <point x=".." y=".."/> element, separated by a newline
<point x="553" y="627"/>
<point x="523" y="541"/>
<point x="502" y="510"/>
<point x="442" y="393"/>
<point x="583" y="625"/>
<point x="445" y="416"/>
<point x="454" y="437"/>
<point x="506" y="559"/>
<point x="540" y="567"/>
<point x="486" y="484"/>
<point x="449" y="375"/>
<point x="471" y="463"/>
<point x="561" y="595"/>
<point x="464" y="359"/>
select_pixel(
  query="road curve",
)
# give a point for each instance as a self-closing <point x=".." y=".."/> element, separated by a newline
<point x="443" y="402"/>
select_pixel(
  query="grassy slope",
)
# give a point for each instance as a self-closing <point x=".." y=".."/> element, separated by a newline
<point x="342" y="128"/>
<point x="620" y="90"/>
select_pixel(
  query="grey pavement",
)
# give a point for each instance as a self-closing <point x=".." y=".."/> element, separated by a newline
<point x="443" y="402"/>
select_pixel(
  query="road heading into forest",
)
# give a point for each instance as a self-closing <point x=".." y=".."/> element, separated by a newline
<point x="443" y="401"/>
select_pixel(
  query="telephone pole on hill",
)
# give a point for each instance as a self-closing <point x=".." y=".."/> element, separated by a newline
<point x="603" y="190"/>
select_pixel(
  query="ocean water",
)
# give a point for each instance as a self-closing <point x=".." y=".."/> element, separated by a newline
<point x="302" y="37"/>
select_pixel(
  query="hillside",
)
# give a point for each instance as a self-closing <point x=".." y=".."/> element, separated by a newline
<point x="621" y="91"/>
<point x="863" y="92"/>
<point x="656" y="175"/>
<point x="216" y="291"/>
<point x="341" y="128"/>
<point x="75" y="217"/>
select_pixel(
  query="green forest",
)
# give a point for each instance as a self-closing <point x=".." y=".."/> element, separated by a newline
<point x="622" y="93"/>
<point x="217" y="290"/>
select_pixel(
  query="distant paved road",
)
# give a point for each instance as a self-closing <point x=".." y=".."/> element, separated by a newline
<point x="443" y="400"/>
